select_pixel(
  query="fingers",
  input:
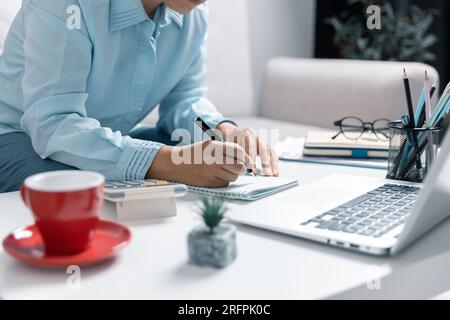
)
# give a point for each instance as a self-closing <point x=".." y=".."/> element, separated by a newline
<point x="238" y="168"/>
<point x="220" y="184"/>
<point x="214" y="182"/>
<point x="209" y="176"/>
<point x="214" y="152"/>
<point x="234" y="153"/>
<point x="264" y="154"/>
<point x="225" y="175"/>
<point x="235" y="159"/>
<point x="247" y="140"/>
<point x="274" y="163"/>
<point x="253" y="146"/>
<point x="251" y="149"/>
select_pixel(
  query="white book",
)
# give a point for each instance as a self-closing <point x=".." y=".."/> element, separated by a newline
<point x="249" y="188"/>
<point x="324" y="140"/>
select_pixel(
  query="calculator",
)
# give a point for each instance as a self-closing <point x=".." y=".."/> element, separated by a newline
<point x="117" y="191"/>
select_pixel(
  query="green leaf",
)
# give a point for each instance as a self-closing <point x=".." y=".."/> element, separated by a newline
<point x="212" y="211"/>
<point x="428" y="56"/>
<point x="429" y="41"/>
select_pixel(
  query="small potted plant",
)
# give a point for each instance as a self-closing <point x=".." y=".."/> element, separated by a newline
<point x="213" y="244"/>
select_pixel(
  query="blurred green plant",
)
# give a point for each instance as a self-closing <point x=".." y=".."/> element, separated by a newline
<point x="401" y="38"/>
<point x="212" y="211"/>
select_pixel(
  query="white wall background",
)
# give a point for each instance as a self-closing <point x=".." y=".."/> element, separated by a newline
<point x="279" y="28"/>
<point x="244" y="35"/>
<point x="229" y="67"/>
<point x="8" y="10"/>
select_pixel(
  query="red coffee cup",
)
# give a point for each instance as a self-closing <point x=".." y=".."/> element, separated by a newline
<point x="65" y="206"/>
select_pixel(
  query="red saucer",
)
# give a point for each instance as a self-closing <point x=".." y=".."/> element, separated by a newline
<point x="26" y="244"/>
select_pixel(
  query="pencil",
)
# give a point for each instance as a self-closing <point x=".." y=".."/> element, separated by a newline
<point x="411" y="116"/>
<point x="440" y="108"/>
<point x="428" y="112"/>
<point x="420" y="111"/>
<point x="409" y="98"/>
<point x="419" y="121"/>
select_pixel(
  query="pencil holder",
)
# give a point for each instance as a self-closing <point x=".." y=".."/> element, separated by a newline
<point x="412" y="152"/>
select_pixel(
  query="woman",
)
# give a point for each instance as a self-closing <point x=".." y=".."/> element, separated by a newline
<point x="77" y="76"/>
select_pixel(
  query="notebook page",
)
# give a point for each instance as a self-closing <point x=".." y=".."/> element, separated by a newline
<point x="246" y="186"/>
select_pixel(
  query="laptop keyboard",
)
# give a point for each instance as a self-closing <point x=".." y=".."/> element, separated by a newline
<point x="373" y="214"/>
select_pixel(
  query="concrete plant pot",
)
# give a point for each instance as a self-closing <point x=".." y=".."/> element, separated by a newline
<point x="216" y="249"/>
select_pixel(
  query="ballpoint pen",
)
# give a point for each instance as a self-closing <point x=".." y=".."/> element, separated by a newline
<point x="210" y="132"/>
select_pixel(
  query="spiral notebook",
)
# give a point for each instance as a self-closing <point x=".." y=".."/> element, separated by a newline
<point x="249" y="188"/>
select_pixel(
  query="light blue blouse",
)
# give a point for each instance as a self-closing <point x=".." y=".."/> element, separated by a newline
<point x="77" y="92"/>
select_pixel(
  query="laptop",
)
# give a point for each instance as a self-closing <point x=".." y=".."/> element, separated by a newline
<point x="359" y="213"/>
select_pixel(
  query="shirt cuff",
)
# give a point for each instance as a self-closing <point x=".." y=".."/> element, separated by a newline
<point x="137" y="158"/>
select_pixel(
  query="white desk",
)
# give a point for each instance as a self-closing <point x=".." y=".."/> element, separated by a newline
<point x="269" y="265"/>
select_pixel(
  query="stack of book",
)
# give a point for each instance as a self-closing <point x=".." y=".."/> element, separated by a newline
<point x="319" y="147"/>
<point x="322" y="144"/>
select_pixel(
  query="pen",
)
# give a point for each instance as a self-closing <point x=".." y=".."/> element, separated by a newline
<point x="206" y="129"/>
<point x="210" y="132"/>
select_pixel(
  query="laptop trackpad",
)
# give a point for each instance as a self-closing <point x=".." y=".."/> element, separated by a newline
<point x="332" y="191"/>
<point x="305" y="202"/>
<point x="316" y="196"/>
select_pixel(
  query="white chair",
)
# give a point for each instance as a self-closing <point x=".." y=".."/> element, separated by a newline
<point x="298" y="94"/>
<point x="315" y="92"/>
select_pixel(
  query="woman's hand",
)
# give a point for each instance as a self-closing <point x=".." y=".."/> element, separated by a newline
<point x="253" y="146"/>
<point x="205" y="164"/>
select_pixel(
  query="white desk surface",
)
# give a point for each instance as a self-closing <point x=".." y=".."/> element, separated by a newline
<point x="269" y="265"/>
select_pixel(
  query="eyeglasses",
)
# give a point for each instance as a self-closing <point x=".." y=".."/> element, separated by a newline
<point x="353" y="128"/>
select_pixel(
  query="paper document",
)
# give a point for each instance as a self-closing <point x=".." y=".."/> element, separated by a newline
<point x="249" y="188"/>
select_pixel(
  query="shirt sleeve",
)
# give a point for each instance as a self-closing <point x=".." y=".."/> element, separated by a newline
<point x="57" y="66"/>
<point x="188" y="100"/>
